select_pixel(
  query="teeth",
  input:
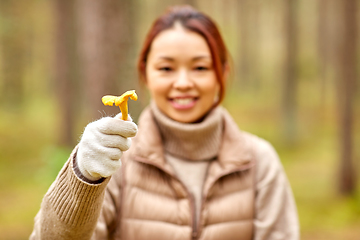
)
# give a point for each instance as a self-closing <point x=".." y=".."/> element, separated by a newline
<point x="183" y="101"/>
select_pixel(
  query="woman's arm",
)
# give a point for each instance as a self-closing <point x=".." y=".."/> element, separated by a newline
<point x="276" y="213"/>
<point x="71" y="207"/>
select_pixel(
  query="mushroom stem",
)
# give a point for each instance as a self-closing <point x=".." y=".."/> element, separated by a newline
<point x="121" y="102"/>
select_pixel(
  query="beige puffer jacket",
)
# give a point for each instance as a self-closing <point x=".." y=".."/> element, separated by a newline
<point x="145" y="200"/>
<point x="156" y="205"/>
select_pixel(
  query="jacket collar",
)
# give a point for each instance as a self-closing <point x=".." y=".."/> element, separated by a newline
<point x="235" y="150"/>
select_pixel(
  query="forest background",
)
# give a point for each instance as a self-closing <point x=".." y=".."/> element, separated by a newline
<point x="295" y="82"/>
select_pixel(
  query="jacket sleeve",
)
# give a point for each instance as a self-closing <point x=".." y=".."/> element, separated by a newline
<point x="74" y="209"/>
<point x="276" y="214"/>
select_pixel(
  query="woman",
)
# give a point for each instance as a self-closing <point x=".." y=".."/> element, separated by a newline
<point x="189" y="174"/>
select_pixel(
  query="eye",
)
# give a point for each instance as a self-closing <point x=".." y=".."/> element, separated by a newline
<point x="166" y="69"/>
<point x="201" y="68"/>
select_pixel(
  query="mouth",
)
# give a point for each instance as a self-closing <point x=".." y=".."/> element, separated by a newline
<point x="182" y="103"/>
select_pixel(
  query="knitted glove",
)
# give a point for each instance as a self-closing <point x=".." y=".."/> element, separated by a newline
<point x="102" y="144"/>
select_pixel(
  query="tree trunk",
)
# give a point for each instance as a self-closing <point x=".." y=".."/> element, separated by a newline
<point x="245" y="49"/>
<point x="105" y="42"/>
<point x="346" y="88"/>
<point x="14" y="41"/>
<point x="290" y="86"/>
<point x="323" y="47"/>
<point x="65" y="73"/>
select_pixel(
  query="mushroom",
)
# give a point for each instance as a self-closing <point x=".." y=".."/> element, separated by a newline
<point x="121" y="102"/>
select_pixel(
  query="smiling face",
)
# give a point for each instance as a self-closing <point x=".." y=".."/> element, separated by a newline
<point x="180" y="74"/>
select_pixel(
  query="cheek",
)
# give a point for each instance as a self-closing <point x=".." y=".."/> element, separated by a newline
<point x="157" y="88"/>
<point x="152" y="83"/>
<point x="211" y="88"/>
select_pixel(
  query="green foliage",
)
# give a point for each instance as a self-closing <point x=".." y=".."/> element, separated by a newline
<point x="53" y="158"/>
<point x="29" y="162"/>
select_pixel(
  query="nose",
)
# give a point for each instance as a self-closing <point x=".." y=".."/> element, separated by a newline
<point x="183" y="80"/>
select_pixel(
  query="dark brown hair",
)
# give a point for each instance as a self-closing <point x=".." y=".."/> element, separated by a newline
<point x="195" y="21"/>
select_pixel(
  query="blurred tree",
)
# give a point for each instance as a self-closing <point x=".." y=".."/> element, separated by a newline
<point x="243" y="63"/>
<point x="65" y="69"/>
<point x="14" y="38"/>
<point x="323" y="45"/>
<point x="127" y="78"/>
<point x="346" y="92"/>
<point x="290" y="85"/>
<point x="248" y="64"/>
<point x="105" y="43"/>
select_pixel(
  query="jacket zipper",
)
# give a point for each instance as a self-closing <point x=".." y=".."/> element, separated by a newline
<point x="204" y="196"/>
<point x="191" y="196"/>
<point x="194" y="225"/>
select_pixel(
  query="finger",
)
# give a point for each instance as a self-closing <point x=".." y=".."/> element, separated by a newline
<point x="104" y="168"/>
<point x="114" y="153"/>
<point x="97" y="151"/>
<point x="114" y="126"/>
<point x="115" y="141"/>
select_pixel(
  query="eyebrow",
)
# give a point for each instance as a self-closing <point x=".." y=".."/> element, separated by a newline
<point x="194" y="59"/>
<point x="201" y="57"/>
<point x="166" y="58"/>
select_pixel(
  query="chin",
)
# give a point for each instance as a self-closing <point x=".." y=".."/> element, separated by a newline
<point x="186" y="118"/>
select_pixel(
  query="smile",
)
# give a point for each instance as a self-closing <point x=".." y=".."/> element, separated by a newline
<point x="183" y="102"/>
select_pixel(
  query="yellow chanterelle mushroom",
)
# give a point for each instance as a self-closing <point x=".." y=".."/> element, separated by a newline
<point x="121" y="102"/>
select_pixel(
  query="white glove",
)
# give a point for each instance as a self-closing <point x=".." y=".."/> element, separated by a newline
<point x="102" y="144"/>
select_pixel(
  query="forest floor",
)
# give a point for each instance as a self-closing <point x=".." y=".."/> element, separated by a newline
<point x="30" y="161"/>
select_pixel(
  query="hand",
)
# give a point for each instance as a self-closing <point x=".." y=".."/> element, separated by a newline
<point x="102" y="145"/>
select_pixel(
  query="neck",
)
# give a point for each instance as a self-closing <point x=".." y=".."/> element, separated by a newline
<point x="191" y="141"/>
